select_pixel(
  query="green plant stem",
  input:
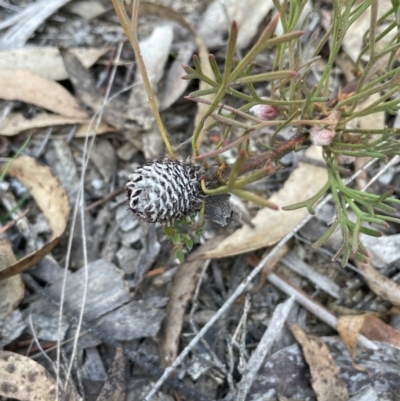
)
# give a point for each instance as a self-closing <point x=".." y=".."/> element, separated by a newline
<point x="370" y="107"/>
<point x="339" y="30"/>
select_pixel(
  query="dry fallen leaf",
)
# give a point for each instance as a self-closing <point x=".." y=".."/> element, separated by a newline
<point x="383" y="250"/>
<point x="12" y="290"/>
<point x="382" y="286"/>
<point x="22" y="378"/>
<point x="52" y="200"/>
<point x="25" y="86"/>
<point x="348" y="328"/>
<point x="26" y="21"/>
<point x="325" y="381"/>
<point x="271" y="225"/>
<point x="248" y="15"/>
<point x="47" y="61"/>
<point x="370" y="326"/>
<point x="15" y="123"/>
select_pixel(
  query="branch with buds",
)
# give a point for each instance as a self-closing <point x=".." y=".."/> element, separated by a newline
<point x="170" y="192"/>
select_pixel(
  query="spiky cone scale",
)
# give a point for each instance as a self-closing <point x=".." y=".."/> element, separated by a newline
<point x="165" y="190"/>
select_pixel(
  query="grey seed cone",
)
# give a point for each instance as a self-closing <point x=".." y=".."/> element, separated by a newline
<point x="164" y="191"/>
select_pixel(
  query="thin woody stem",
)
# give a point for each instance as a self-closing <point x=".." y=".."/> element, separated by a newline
<point x="265" y="160"/>
<point x="231" y="145"/>
<point x="273" y="155"/>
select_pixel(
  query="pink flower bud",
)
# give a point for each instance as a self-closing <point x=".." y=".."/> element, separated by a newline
<point x="264" y="111"/>
<point x="321" y="136"/>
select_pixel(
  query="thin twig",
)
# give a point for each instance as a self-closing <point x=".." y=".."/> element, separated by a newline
<point x="275" y="327"/>
<point x="99" y="202"/>
<point x="216" y="152"/>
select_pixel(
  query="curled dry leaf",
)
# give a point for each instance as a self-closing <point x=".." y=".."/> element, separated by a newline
<point x="271" y="225"/>
<point x="326" y="381"/>
<point x="11" y="290"/>
<point x="25" y="86"/>
<point x="382" y="286"/>
<point x="52" y="200"/>
<point x="24" y="379"/>
<point x="375" y="329"/>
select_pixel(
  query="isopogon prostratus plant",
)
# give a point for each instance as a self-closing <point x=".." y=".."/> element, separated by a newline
<point x="165" y="190"/>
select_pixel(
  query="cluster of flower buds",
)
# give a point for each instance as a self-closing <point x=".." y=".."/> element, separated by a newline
<point x="165" y="190"/>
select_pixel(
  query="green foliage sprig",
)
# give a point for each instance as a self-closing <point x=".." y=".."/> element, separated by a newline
<point x="302" y="107"/>
<point x="179" y="236"/>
